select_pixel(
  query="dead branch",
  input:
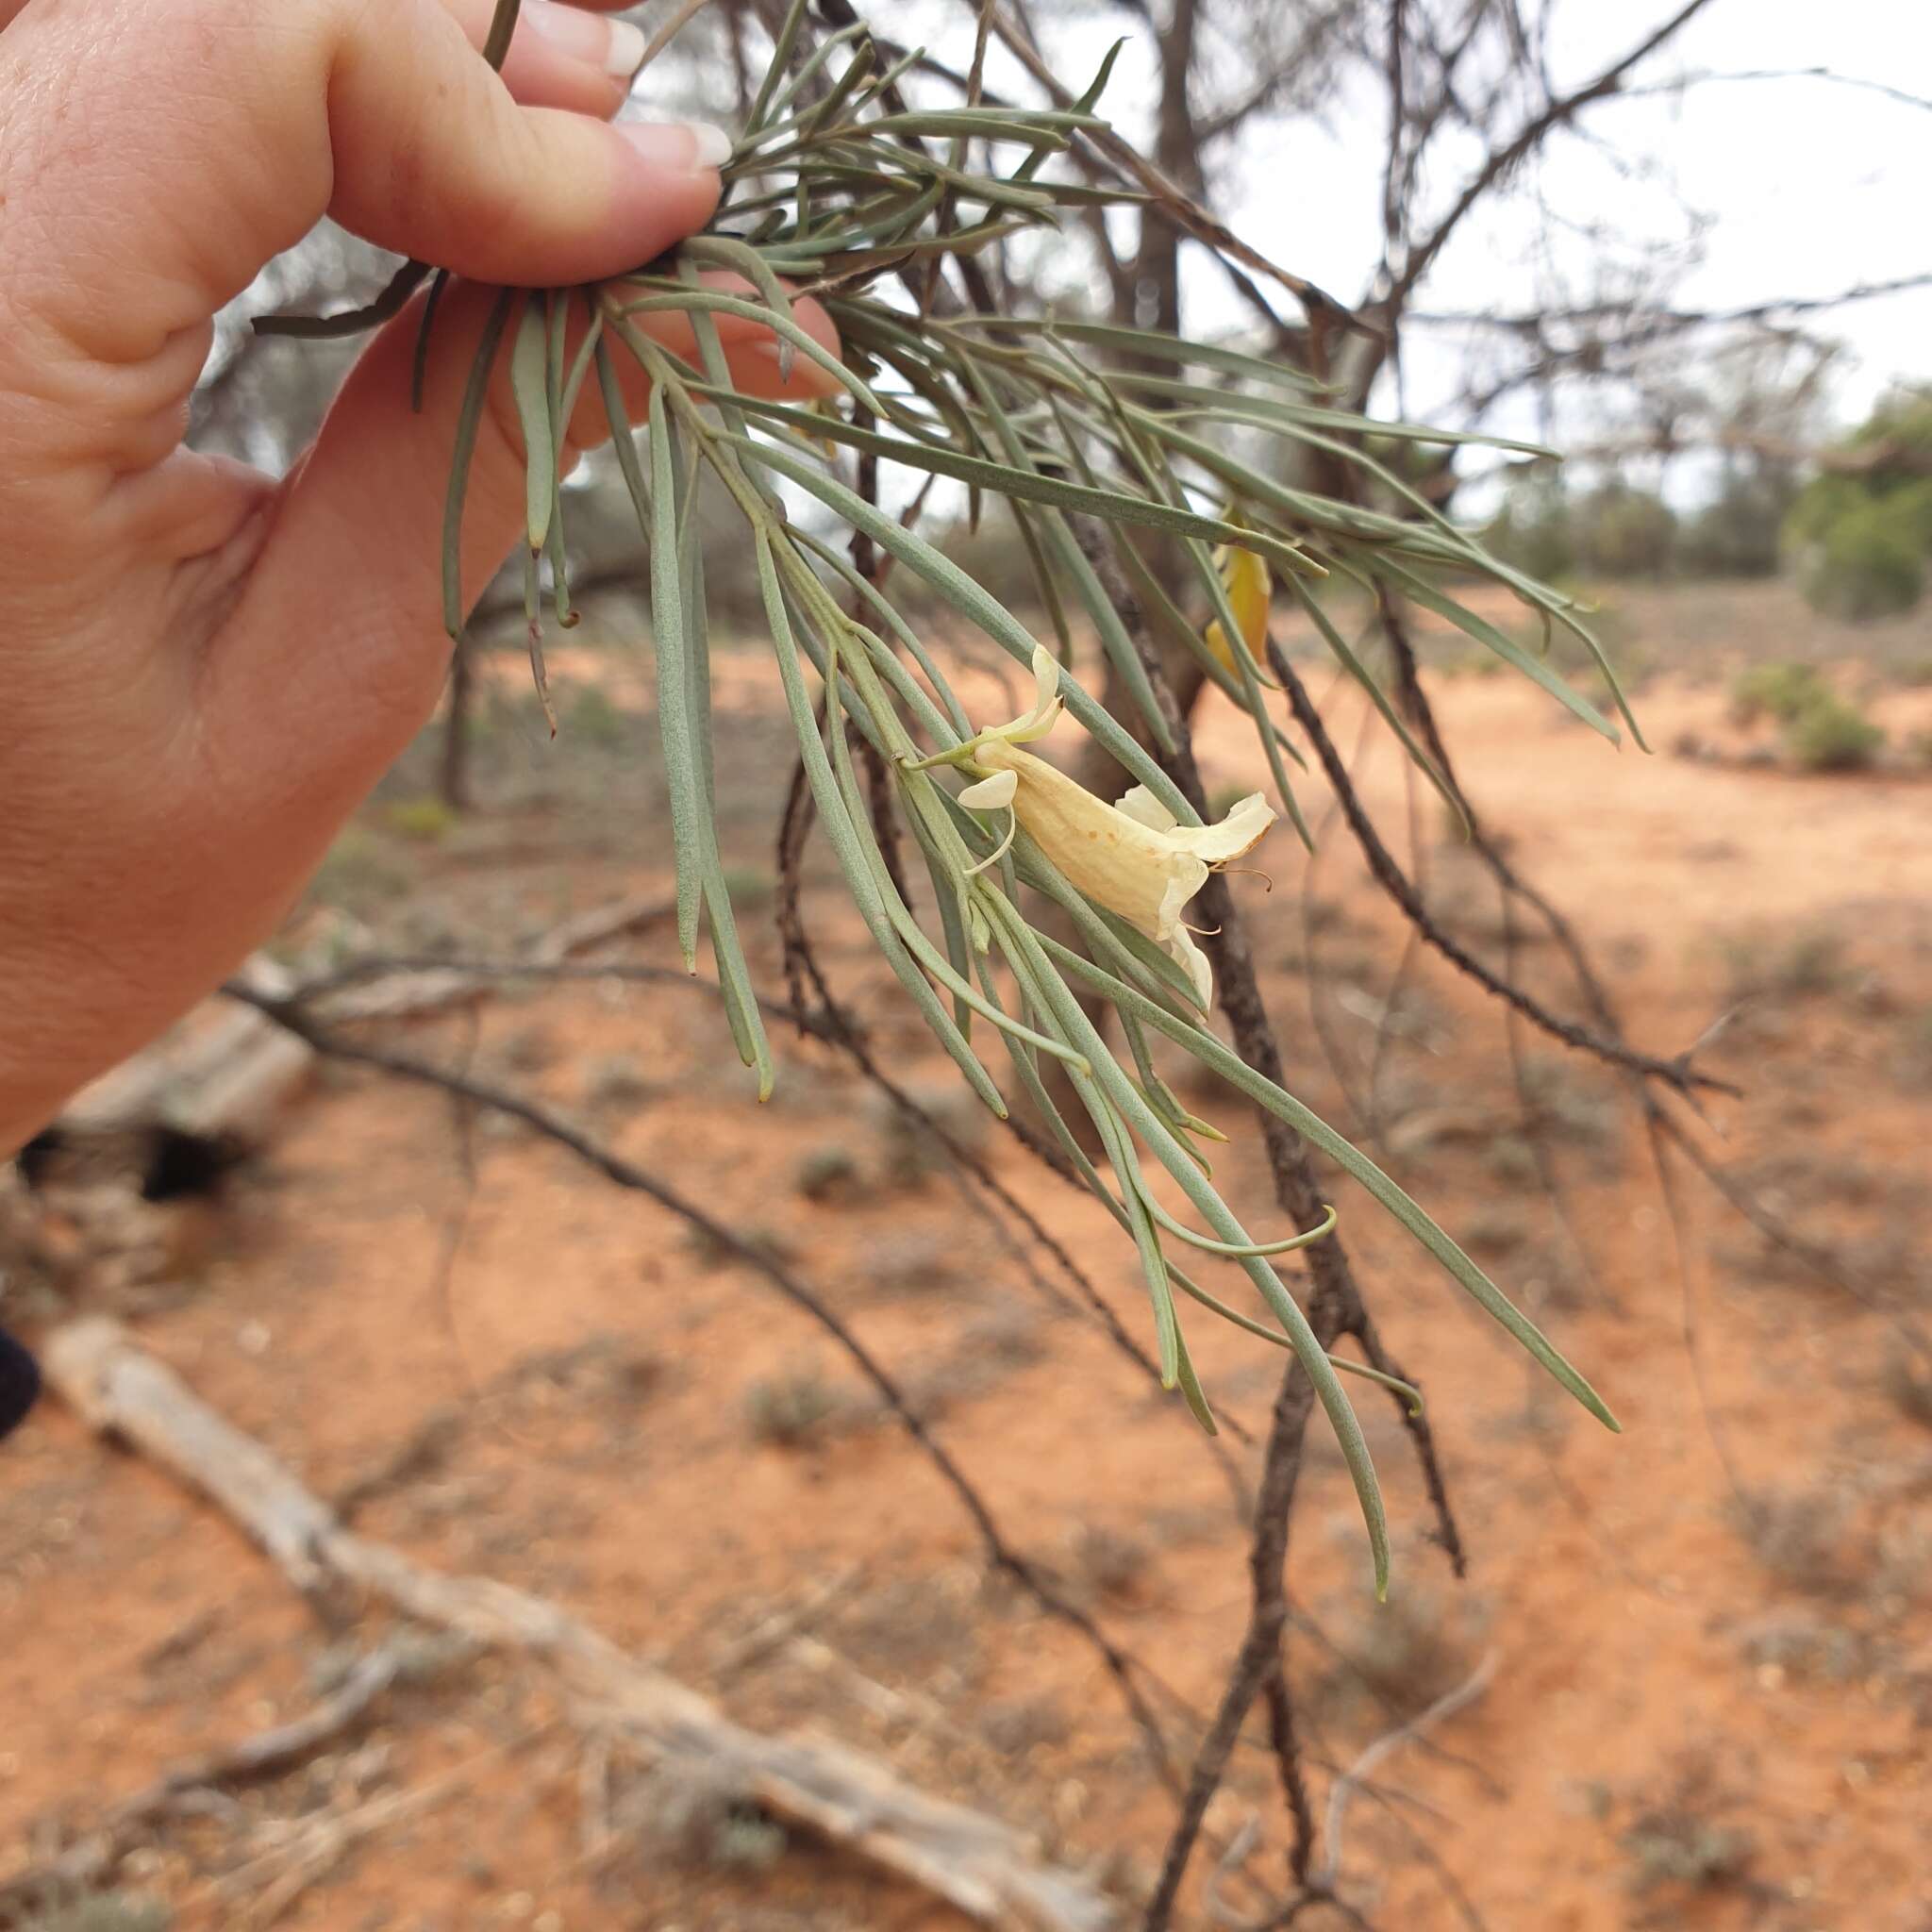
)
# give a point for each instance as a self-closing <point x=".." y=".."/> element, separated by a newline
<point x="308" y="1853"/>
<point x="424" y="990"/>
<point x="975" y="1863"/>
<point x="267" y="1754"/>
<point x="1343" y="1788"/>
<point x="221" y="1076"/>
<point x="1502" y="159"/>
<point x="221" y="1071"/>
<point x="321" y="995"/>
<point x="1676" y="1072"/>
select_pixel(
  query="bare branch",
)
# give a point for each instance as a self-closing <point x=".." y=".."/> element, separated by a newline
<point x="1502" y="160"/>
<point x="1676" y="1073"/>
<point x="1772" y="310"/>
<point x="1712" y="77"/>
<point x="1343" y="1788"/>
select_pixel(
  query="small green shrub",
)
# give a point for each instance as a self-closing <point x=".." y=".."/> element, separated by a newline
<point x="617" y="1079"/>
<point x="1673" y="1845"/>
<point x="1625" y="532"/>
<point x="1566" y="1103"/>
<point x="109" y="1911"/>
<point x="530" y="1049"/>
<point x="1494" y="1231"/>
<point x="1737" y="534"/>
<point x="1801" y="1537"/>
<point x="1511" y="1159"/>
<point x="826" y="1174"/>
<point x="359" y="875"/>
<point x="1804" y="965"/>
<point x="1112" y="1561"/>
<point x="1866" y="564"/>
<point x="1402" y="1655"/>
<point x="1908" y="1383"/>
<point x="1912" y="1062"/>
<point x="706" y="1821"/>
<point x="594" y="720"/>
<point x="790" y="1410"/>
<point x="762" y="1239"/>
<point x="1829" y="735"/>
<point x="425" y="821"/>
<point x="1779" y="691"/>
<point x="1534" y="530"/>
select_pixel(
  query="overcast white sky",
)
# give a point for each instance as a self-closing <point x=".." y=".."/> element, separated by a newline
<point x="1809" y="188"/>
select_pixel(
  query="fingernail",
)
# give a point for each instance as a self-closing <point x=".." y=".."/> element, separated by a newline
<point x="615" y="45"/>
<point x="679" y="143"/>
<point x="626" y="50"/>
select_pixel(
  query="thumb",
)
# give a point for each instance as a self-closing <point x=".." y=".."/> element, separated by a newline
<point x="141" y="223"/>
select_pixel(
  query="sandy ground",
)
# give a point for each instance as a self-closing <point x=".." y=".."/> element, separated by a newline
<point x="1709" y="1639"/>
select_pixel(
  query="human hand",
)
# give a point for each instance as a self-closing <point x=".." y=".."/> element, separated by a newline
<point x="205" y="670"/>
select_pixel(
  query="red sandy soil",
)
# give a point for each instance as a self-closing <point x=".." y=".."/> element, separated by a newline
<point x="1703" y="1711"/>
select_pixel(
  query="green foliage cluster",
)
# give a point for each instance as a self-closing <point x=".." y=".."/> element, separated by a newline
<point x="1822" y="731"/>
<point x="106" y="1912"/>
<point x="1830" y="734"/>
<point x="1863" y="534"/>
<point x="1092" y="440"/>
<point x="1776" y="690"/>
<point x="1615" y="530"/>
<point x="1738" y="533"/>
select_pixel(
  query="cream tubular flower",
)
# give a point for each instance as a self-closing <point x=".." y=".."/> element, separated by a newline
<point x="1134" y="857"/>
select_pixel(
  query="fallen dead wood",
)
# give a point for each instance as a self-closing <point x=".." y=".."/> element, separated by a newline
<point x="164" y="1125"/>
<point x="983" y="1867"/>
<point x="404" y="995"/>
<point x="195" y="1784"/>
<point x="222" y="1072"/>
<point x="225" y="1073"/>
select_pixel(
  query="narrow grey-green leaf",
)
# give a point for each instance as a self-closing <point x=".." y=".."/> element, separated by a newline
<point x="529" y="359"/>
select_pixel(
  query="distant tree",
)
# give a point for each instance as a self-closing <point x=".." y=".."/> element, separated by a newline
<point x="1862" y="527"/>
<point x="1738" y="533"/>
<point x="1613" y="531"/>
<point x="1534" y="530"/>
<point x="1623" y="531"/>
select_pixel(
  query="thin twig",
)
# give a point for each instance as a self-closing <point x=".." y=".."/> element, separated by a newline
<point x="669" y="32"/>
<point x="1343" y="1788"/>
<point x="267" y="1754"/>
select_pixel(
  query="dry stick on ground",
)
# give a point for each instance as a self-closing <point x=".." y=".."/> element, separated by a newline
<point x="267" y="1754"/>
<point x="481" y="973"/>
<point x="983" y="1867"/>
<point x="627" y="1174"/>
<point x="316" y="1846"/>
<point x="1343" y="1788"/>
<point x="1336" y="1311"/>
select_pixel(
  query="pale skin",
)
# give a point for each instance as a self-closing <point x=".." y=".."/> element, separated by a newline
<point x="205" y="670"/>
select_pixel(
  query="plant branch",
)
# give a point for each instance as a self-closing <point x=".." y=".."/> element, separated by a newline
<point x="1676" y="1072"/>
